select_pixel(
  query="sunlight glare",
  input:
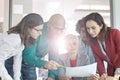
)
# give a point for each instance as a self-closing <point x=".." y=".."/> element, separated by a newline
<point x="61" y="45"/>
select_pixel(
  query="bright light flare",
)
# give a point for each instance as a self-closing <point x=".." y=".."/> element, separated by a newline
<point x="61" y="45"/>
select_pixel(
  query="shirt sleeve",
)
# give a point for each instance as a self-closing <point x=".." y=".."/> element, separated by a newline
<point x="17" y="65"/>
<point x="61" y="71"/>
<point x="117" y="41"/>
<point x="55" y="57"/>
<point x="29" y="57"/>
<point x="8" y="49"/>
<point x="42" y="43"/>
<point x="17" y="57"/>
<point x="100" y="65"/>
<point x="117" y="45"/>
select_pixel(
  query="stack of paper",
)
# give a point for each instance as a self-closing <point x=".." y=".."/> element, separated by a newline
<point x="82" y="71"/>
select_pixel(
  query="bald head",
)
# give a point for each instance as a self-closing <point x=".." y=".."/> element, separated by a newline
<point x="56" y="25"/>
<point x="56" y="20"/>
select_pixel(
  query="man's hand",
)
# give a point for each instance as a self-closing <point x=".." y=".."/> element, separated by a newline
<point x="49" y="79"/>
<point x="51" y="65"/>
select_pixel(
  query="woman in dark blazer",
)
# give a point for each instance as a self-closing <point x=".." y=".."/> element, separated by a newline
<point x="105" y="43"/>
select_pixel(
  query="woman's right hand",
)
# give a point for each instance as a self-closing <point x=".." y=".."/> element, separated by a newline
<point x="103" y="77"/>
<point x="94" y="77"/>
<point x="51" y="65"/>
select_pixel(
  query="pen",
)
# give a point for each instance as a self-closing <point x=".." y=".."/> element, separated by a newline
<point x="61" y="66"/>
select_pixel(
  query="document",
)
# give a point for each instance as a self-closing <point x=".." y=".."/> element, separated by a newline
<point x="81" y="71"/>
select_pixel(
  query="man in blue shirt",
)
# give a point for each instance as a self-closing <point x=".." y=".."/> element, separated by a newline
<point x="80" y="28"/>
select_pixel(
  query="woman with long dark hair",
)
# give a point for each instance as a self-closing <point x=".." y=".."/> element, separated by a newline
<point x="15" y="39"/>
<point x="105" y="44"/>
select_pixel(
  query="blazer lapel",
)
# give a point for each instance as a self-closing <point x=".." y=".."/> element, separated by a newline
<point x="96" y="48"/>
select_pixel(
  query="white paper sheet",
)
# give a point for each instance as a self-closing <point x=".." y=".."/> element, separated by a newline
<point x="82" y="71"/>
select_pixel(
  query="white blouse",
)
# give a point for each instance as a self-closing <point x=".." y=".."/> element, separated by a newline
<point x="10" y="45"/>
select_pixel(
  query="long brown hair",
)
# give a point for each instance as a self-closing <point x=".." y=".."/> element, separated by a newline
<point x="29" y="21"/>
<point x="100" y="21"/>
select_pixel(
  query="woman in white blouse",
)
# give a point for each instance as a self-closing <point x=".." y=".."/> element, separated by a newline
<point x="15" y="39"/>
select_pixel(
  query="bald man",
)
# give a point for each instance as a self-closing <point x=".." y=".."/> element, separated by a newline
<point x="52" y="30"/>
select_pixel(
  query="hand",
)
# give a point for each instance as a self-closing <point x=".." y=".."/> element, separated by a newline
<point x="111" y="78"/>
<point x="116" y="76"/>
<point x="45" y="78"/>
<point x="94" y="77"/>
<point x="103" y="77"/>
<point x="66" y="78"/>
<point x="49" y="79"/>
<point x="51" y="65"/>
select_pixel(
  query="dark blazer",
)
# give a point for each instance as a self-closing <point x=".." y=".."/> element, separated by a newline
<point x="112" y="43"/>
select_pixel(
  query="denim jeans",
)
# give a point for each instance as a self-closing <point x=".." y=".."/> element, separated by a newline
<point x="9" y="66"/>
<point x="27" y="72"/>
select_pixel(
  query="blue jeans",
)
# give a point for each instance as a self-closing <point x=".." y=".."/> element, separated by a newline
<point x="9" y="66"/>
<point x="27" y="72"/>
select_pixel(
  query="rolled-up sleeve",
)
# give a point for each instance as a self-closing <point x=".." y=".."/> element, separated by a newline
<point x="29" y="57"/>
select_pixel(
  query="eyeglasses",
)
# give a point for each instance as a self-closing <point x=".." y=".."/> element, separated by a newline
<point x="58" y="29"/>
<point x="38" y="30"/>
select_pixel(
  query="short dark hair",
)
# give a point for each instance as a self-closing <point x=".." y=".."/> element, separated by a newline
<point x="80" y="24"/>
